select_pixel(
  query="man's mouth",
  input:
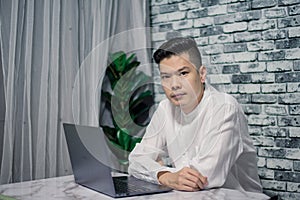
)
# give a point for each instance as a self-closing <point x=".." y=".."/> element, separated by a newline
<point x="177" y="95"/>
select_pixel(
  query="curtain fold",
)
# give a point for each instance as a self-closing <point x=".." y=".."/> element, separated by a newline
<point x="53" y="55"/>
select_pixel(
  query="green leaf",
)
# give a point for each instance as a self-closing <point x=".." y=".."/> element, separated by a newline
<point x="124" y="139"/>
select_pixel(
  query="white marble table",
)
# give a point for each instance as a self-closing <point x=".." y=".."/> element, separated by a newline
<point x="65" y="188"/>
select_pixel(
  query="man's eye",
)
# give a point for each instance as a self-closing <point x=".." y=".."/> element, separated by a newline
<point x="183" y="73"/>
<point x="165" y="76"/>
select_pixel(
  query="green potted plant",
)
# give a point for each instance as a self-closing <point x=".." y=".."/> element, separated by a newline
<point x="128" y="101"/>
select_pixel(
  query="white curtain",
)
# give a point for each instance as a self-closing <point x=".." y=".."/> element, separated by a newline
<point x="53" y="55"/>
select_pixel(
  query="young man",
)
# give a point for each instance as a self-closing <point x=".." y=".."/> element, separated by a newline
<point x="202" y="131"/>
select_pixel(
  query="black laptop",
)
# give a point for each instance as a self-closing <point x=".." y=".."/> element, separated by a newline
<point x="92" y="165"/>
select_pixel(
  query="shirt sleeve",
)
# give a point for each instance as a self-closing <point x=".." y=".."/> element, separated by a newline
<point x="143" y="159"/>
<point x="221" y="146"/>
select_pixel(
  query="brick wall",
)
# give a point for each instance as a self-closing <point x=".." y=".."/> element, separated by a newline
<point x="252" y="51"/>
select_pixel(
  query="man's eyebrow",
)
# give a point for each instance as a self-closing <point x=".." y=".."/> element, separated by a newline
<point x="183" y="68"/>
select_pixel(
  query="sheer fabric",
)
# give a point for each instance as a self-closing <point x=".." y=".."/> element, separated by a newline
<point x="52" y="55"/>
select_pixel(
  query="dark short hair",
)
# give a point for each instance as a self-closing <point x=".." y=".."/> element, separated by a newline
<point x="178" y="46"/>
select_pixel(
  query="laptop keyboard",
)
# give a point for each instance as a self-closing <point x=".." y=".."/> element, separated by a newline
<point x="122" y="186"/>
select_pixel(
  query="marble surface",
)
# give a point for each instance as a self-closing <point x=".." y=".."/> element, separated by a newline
<point x="65" y="188"/>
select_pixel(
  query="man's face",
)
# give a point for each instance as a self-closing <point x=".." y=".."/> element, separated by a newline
<point x="182" y="83"/>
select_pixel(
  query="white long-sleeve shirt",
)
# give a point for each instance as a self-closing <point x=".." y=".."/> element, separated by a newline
<point x="212" y="139"/>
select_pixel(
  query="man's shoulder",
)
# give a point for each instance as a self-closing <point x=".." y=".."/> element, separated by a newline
<point x="221" y="98"/>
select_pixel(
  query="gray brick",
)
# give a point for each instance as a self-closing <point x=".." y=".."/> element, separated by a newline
<point x="222" y="58"/>
<point x="294" y="32"/>
<point x="275" y="13"/>
<point x="230" y="1"/>
<point x="212" y="49"/>
<point x="261" y="162"/>
<point x="252" y="67"/>
<point x="246" y="36"/>
<point x="209" y="3"/>
<point x="297" y="65"/>
<point x="266" y="173"/>
<point x="238" y="7"/>
<point x="297" y="165"/>
<point x="158" y="36"/>
<point x="188" y="5"/>
<point x="214" y="69"/>
<point x="294" y="110"/>
<point x="259" y="25"/>
<point x="175" y="1"/>
<point x="272" y="152"/>
<point x="289" y="121"/>
<point x="219" y="78"/>
<point x="293" y="87"/>
<point x="261" y="120"/>
<point x="263" y="78"/>
<point x="292" y="154"/>
<point x="287" y="2"/>
<point x="274" y="34"/>
<point x="289" y="21"/>
<point x="260" y="45"/>
<point x="263" y="4"/>
<point x="235" y="47"/>
<point x="241" y="78"/>
<point x="294" y="10"/>
<point x="283" y="195"/>
<point x="172" y="34"/>
<point x="183" y="24"/>
<point x="242" y="98"/>
<point x="274" y="88"/>
<point x="274" y="185"/>
<point x="288" y="43"/>
<point x="287" y="77"/>
<point x="236" y="27"/>
<point x="293" y="187"/>
<point x="288" y="143"/>
<point x="217" y="10"/>
<point x="287" y="176"/>
<point x="190" y="32"/>
<point x="275" y="131"/>
<point x="275" y="110"/>
<point x="294" y="132"/>
<point x="264" y="98"/>
<point x="168" y="8"/>
<point x="291" y="98"/>
<point x="228" y="88"/>
<point x="255" y="130"/>
<point x="292" y="54"/>
<point x="224" y="19"/>
<point x="165" y="27"/>
<point x="248" y="16"/>
<point x="203" y="22"/>
<point x="201" y="41"/>
<point x="158" y="2"/>
<point x="245" y="57"/>
<point x="230" y="69"/>
<point x="263" y="141"/>
<point x="220" y="38"/>
<point x="213" y="30"/>
<point x="199" y="13"/>
<point x="279" y="66"/>
<point x="272" y="55"/>
<point x="251" y="109"/>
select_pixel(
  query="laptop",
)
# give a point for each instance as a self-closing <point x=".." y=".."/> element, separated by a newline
<point x="92" y="164"/>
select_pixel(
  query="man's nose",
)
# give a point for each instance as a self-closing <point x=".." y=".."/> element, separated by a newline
<point x="175" y="83"/>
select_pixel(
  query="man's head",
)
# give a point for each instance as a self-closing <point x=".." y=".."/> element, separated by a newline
<point x="178" y="46"/>
<point x="182" y="73"/>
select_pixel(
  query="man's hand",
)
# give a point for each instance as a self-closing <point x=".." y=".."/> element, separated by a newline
<point x="186" y="179"/>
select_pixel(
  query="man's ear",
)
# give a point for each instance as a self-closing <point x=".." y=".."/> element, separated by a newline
<point x="202" y="73"/>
